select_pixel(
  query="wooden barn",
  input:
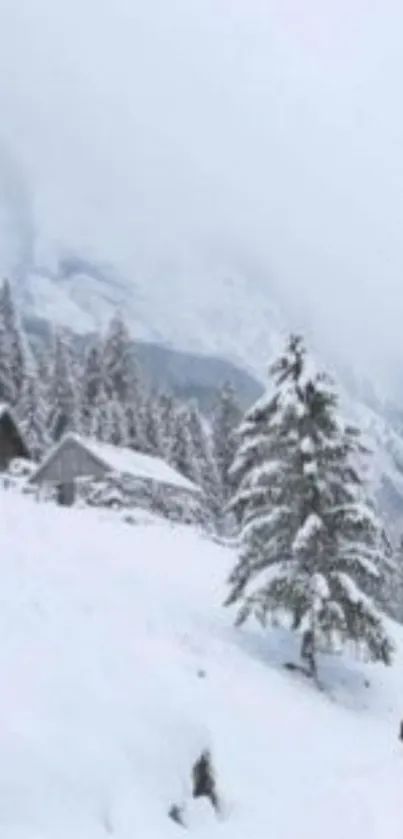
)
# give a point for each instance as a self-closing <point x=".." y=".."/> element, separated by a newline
<point x="12" y="443"/>
<point x="75" y="459"/>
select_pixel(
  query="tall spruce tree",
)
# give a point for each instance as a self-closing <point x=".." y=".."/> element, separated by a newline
<point x="153" y="428"/>
<point x="119" y="432"/>
<point x="33" y="414"/>
<point x="199" y="455"/>
<point x="119" y="364"/>
<point x="183" y="455"/>
<point x="204" y="472"/>
<point x="43" y="367"/>
<point x="13" y="348"/>
<point x="63" y="397"/>
<point x="92" y="384"/>
<point x="227" y="415"/>
<point x="136" y="426"/>
<point x="124" y="381"/>
<point x="100" y="421"/>
<point x="7" y="388"/>
<point x="392" y="589"/>
<point x="310" y="540"/>
<point x="167" y="408"/>
<point x="108" y="421"/>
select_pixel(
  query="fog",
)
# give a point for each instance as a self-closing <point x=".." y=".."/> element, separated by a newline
<point x="142" y="129"/>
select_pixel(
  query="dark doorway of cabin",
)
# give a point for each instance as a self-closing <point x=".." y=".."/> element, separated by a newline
<point x="66" y="494"/>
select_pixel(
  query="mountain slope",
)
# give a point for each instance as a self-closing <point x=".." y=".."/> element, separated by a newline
<point x="195" y="305"/>
<point x="120" y="666"/>
<point x="188" y="375"/>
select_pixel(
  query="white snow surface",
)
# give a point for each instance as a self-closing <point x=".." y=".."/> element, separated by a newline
<point x="119" y="665"/>
<point x="126" y="461"/>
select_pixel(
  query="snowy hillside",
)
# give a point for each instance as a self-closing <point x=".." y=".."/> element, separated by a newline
<point x="120" y="666"/>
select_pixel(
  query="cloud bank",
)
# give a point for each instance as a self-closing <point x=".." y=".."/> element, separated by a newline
<point x="147" y="129"/>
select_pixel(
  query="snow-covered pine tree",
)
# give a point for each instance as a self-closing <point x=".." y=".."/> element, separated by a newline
<point x="43" y="367"/>
<point x="392" y="588"/>
<point x="108" y="421"/>
<point x="62" y="397"/>
<point x="397" y="594"/>
<point x="204" y="471"/>
<point x="167" y="408"/>
<point x="309" y="539"/>
<point x="32" y="412"/>
<point x="191" y="455"/>
<point x="91" y="384"/>
<point x="200" y="454"/>
<point x="124" y="381"/>
<point x="101" y="422"/>
<point x="153" y="429"/>
<point x="183" y="456"/>
<point x="12" y="348"/>
<point x="379" y="587"/>
<point x="120" y="367"/>
<point x="227" y="415"/>
<point x="7" y="389"/>
<point x="118" y="423"/>
<point x="136" y="427"/>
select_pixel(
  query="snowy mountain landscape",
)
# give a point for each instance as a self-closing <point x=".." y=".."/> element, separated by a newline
<point x="201" y="419"/>
<point x="216" y="235"/>
<point x="120" y="667"/>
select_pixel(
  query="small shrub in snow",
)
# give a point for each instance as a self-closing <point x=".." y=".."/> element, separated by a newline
<point x="22" y="468"/>
<point x="125" y="493"/>
<point x="204" y="789"/>
<point x="203" y="780"/>
<point x="177" y="814"/>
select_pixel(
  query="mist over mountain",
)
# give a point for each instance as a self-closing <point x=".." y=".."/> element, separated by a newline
<point x="232" y="158"/>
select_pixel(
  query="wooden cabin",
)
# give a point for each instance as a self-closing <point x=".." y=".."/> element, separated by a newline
<point x="12" y="443"/>
<point x="75" y="459"/>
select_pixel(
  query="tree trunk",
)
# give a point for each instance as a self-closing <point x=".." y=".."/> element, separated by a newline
<point x="296" y="619"/>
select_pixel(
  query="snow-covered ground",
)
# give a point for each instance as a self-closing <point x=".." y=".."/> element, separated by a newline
<point x="119" y="666"/>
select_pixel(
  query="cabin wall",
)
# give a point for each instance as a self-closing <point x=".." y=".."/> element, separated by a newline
<point x="71" y="461"/>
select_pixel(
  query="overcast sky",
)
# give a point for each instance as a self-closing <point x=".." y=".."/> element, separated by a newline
<point x="273" y="126"/>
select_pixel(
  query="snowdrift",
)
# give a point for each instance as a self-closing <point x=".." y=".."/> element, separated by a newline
<point x="119" y="666"/>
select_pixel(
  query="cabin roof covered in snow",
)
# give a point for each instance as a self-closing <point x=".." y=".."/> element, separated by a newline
<point x="125" y="462"/>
